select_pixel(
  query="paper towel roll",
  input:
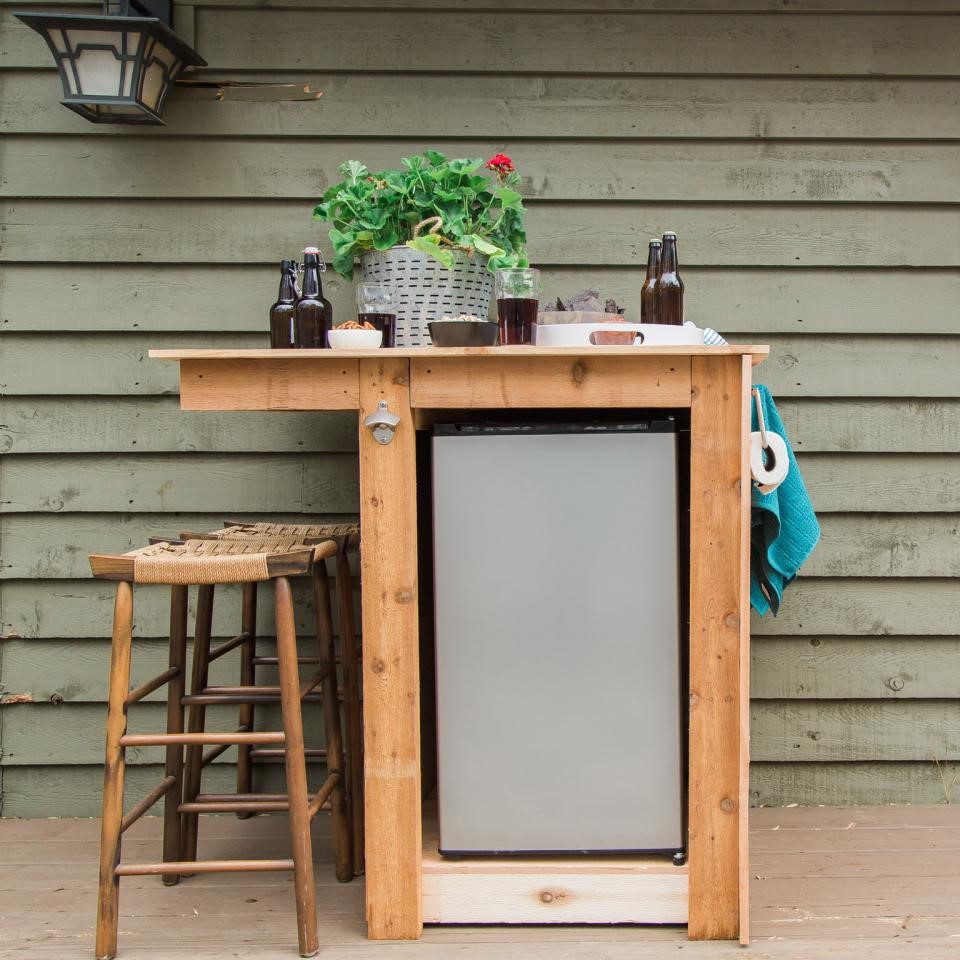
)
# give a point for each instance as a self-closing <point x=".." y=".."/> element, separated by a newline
<point x="768" y="469"/>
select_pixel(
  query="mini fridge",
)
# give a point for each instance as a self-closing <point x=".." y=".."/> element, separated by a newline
<point x="558" y="656"/>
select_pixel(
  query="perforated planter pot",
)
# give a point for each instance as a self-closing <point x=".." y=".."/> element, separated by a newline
<point x="427" y="289"/>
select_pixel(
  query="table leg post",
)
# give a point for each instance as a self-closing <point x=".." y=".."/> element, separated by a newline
<point x="719" y="647"/>
<point x="391" y="681"/>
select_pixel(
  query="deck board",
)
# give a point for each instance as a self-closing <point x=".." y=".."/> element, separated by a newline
<point x="827" y="881"/>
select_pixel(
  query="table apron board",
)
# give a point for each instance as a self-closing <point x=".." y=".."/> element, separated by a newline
<point x="407" y="883"/>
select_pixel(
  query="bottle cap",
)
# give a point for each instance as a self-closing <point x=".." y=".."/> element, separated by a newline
<point x="313" y="250"/>
<point x="656" y="242"/>
<point x="670" y="234"/>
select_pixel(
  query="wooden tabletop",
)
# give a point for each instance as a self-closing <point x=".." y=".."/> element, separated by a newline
<point x="757" y="352"/>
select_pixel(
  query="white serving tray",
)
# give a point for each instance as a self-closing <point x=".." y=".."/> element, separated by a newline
<point x="578" y="334"/>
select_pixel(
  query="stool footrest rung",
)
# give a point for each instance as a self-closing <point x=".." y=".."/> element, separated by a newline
<point x="321" y="796"/>
<point x="202" y="866"/>
<point x="234" y="806"/>
<point x="229" y="645"/>
<point x="257" y="753"/>
<point x="160" y="790"/>
<point x="145" y="689"/>
<point x="197" y="739"/>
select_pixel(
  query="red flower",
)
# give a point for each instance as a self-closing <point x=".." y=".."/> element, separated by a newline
<point x="500" y="164"/>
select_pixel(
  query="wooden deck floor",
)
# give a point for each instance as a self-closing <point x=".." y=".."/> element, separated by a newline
<point x="870" y="882"/>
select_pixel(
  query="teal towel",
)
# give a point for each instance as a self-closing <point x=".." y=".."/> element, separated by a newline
<point x="783" y="526"/>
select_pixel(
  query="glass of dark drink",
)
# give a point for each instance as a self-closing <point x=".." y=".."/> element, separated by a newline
<point x="518" y="296"/>
<point x="377" y="304"/>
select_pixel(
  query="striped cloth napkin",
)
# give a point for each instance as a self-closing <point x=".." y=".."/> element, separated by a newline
<point x="710" y="337"/>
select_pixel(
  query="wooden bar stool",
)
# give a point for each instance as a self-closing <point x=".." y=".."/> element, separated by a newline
<point x="347" y="538"/>
<point x="208" y="563"/>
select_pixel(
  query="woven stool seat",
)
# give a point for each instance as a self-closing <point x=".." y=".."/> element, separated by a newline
<point x="305" y="531"/>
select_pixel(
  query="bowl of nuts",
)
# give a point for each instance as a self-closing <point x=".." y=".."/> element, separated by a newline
<point x="355" y="336"/>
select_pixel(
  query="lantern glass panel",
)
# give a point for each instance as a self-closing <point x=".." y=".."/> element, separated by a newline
<point x="58" y="40"/>
<point x="161" y="63"/>
<point x="98" y="69"/>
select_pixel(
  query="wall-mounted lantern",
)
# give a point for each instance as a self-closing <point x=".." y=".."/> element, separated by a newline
<point x="119" y="67"/>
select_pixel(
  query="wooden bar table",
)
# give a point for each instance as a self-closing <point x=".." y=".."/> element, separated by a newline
<point x="407" y="882"/>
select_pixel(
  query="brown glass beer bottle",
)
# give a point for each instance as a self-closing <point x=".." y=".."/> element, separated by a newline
<point x="314" y="311"/>
<point x="648" y="292"/>
<point x="669" y="288"/>
<point x="283" y="319"/>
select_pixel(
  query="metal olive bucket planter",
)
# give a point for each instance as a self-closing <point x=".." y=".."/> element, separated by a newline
<point x="427" y="290"/>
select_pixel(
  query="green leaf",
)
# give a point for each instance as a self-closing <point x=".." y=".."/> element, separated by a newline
<point x="481" y="245"/>
<point x="354" y="170"/>
<point x="509" y="199"/>
<point x="343" y="264"/>
<point x="413" y="164"/>
<point x="386" y="238"/>
<point x="431" y="246"/>
<point x="342" y="240"/>
<point x="465" y="166"/>
<point x="435" y="157"/>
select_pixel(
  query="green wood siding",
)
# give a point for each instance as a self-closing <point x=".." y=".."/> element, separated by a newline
<point x="808" y="154"/>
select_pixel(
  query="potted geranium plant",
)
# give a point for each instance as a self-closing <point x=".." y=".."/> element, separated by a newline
<point x="437" y="229"/>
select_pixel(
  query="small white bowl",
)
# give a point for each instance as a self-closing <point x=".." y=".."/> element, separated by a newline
<point x="354" y="339"/>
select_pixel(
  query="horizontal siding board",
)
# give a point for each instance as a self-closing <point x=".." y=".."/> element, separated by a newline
<point x="77" y="609"/>
<point x="844" y="730"/>
<point x="56" y="546"/>
<point x="879" y="545"/>
<point x="561" y="233"/>
<point x="859" y="366"/>
<point x="158" y="425"/>
<point x="67" y="609"/>
<point x="872" y="426"/>
<point x="859" y="668"/>
<point x="864" y="607"/>
<point x="37" y="734"/>
<point x="581" y="170"/>
<point x="354" y="105"/>
<point x="739" y="301"/>
<point x="643" y="42"/>
<point x="623" y="6"/>
<point x="327" y="483"/>
<point x="882" y="483"/>
<point x="308" y="483"/>
<point x="646" y="43"/>
<point x="92" y="364"/>
<point x="76" y="671"/>
<point x="848" y="784"/>
<point x="136" y="424"/>
<point x="782" y="668"/>
<point x="805" y="731"/>
<point x="73" y="791"/>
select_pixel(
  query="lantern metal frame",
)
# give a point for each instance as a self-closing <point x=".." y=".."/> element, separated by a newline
<point x="138" y="41"/>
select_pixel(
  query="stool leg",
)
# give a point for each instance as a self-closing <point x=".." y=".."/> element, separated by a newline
<point x="353" y="708"/>
<point x="197" y="717"/>
<point x="108" y="894"/>
<point x="174" y="763"/>
<point x="248" y="651"/>
<point x="296" y="766"/>
<point x="340" y="822"/>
